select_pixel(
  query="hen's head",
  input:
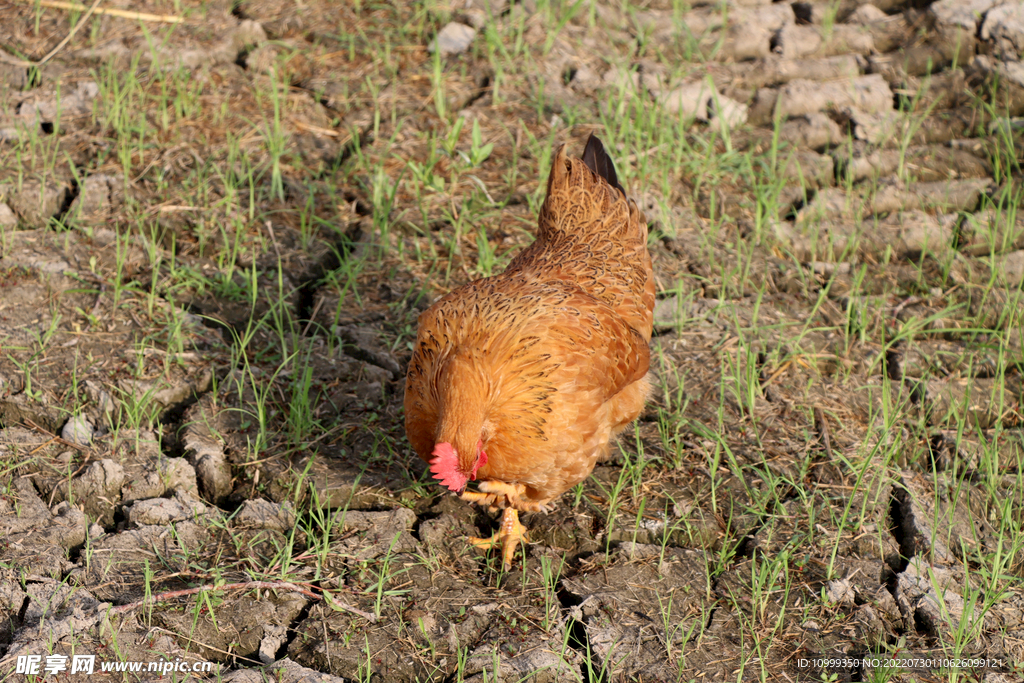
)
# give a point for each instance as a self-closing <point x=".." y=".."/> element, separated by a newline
<point x="447" y="469"/>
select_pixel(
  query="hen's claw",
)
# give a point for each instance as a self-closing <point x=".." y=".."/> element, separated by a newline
<point x="498" y="494"/>
<point x="488" y="499"/>
<point x="508" y="536"/>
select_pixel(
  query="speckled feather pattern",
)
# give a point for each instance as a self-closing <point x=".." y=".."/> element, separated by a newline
<point x="547" y="361"/>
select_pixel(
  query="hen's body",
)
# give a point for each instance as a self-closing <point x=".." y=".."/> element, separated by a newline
<point x="530" y="373"/>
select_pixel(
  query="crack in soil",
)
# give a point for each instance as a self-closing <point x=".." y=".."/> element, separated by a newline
<point x="578" y="638"/>
<point x="74" y="189"/>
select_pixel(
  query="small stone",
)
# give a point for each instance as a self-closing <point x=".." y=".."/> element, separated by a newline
<point x="453" y="39"/>
<point x="476" y="17"/>
<point x="840" y="592"/>
<point x="78" y="430"/>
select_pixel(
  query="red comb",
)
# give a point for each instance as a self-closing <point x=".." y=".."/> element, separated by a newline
<point x="445" y="467"/>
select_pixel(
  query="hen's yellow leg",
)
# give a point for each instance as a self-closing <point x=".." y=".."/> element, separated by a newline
<point x="508" y="536"/>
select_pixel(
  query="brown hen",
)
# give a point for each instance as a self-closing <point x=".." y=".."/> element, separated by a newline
<point x="520" y="380"/>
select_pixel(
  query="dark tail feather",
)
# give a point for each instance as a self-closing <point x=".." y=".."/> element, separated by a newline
<point x="598" y="161"/>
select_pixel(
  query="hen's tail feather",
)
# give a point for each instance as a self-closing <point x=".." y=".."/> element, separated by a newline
<point x="598" y="161"/>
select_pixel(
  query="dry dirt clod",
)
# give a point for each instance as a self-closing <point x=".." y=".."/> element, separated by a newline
<point x="95" y="489"/>
<point x="868" y="93"/>
<point x="815" y="131"/>
<point x="163" y="511"/>
<point x="226" y="49"/>
<point x="160" y="475"/>
<point x="920" y="498"/>
<point x="818" y="69"/>
<point x="893" y="195"/>
<point x="71" y="102"/>
<point x="689" y="100"/>
<point x="98" y="197"/>
<point x="1004" y="27"/>
<point x="205" y="452"/>
<point x="726" y="112"/>
<point x="932" y="595"/>
<point x="36" y="201"/>
<point x="380" y="533"/>
<point x="8" y="220"/>
<point x="923" y="162"/>
<point x="906" y="234"/>
<point x="876" y="128"/>
<point x="962" y="13"/>
<point x="990" y="231"/>
<point x="263" y="514"/>
<point x="37" y="538"/>
<point x="795" y="41"/>
<point x="1010" y="269"/>
<point x="865" y="14"/>
<point x="284" y="670"/>
<point x="809" y="169"/>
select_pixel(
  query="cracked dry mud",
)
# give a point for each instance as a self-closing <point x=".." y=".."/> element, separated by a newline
<point x="215" y="238"/>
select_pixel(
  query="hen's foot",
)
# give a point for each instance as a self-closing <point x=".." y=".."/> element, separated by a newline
<point x="508" y="537"/>
<point x="487" y="499"/>
<point x="499" y="494"/>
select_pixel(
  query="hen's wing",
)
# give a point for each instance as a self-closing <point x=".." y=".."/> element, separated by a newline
<point x="556" y="411"/>
<point x="528" y="362"/>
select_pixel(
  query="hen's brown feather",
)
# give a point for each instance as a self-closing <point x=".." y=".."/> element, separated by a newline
<point x="546" y="362"/>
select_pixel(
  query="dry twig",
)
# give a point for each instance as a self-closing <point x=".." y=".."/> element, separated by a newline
<point x="124" y="14"/>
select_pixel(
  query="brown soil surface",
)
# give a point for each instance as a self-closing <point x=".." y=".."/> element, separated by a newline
<point x="216" y="236"/>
